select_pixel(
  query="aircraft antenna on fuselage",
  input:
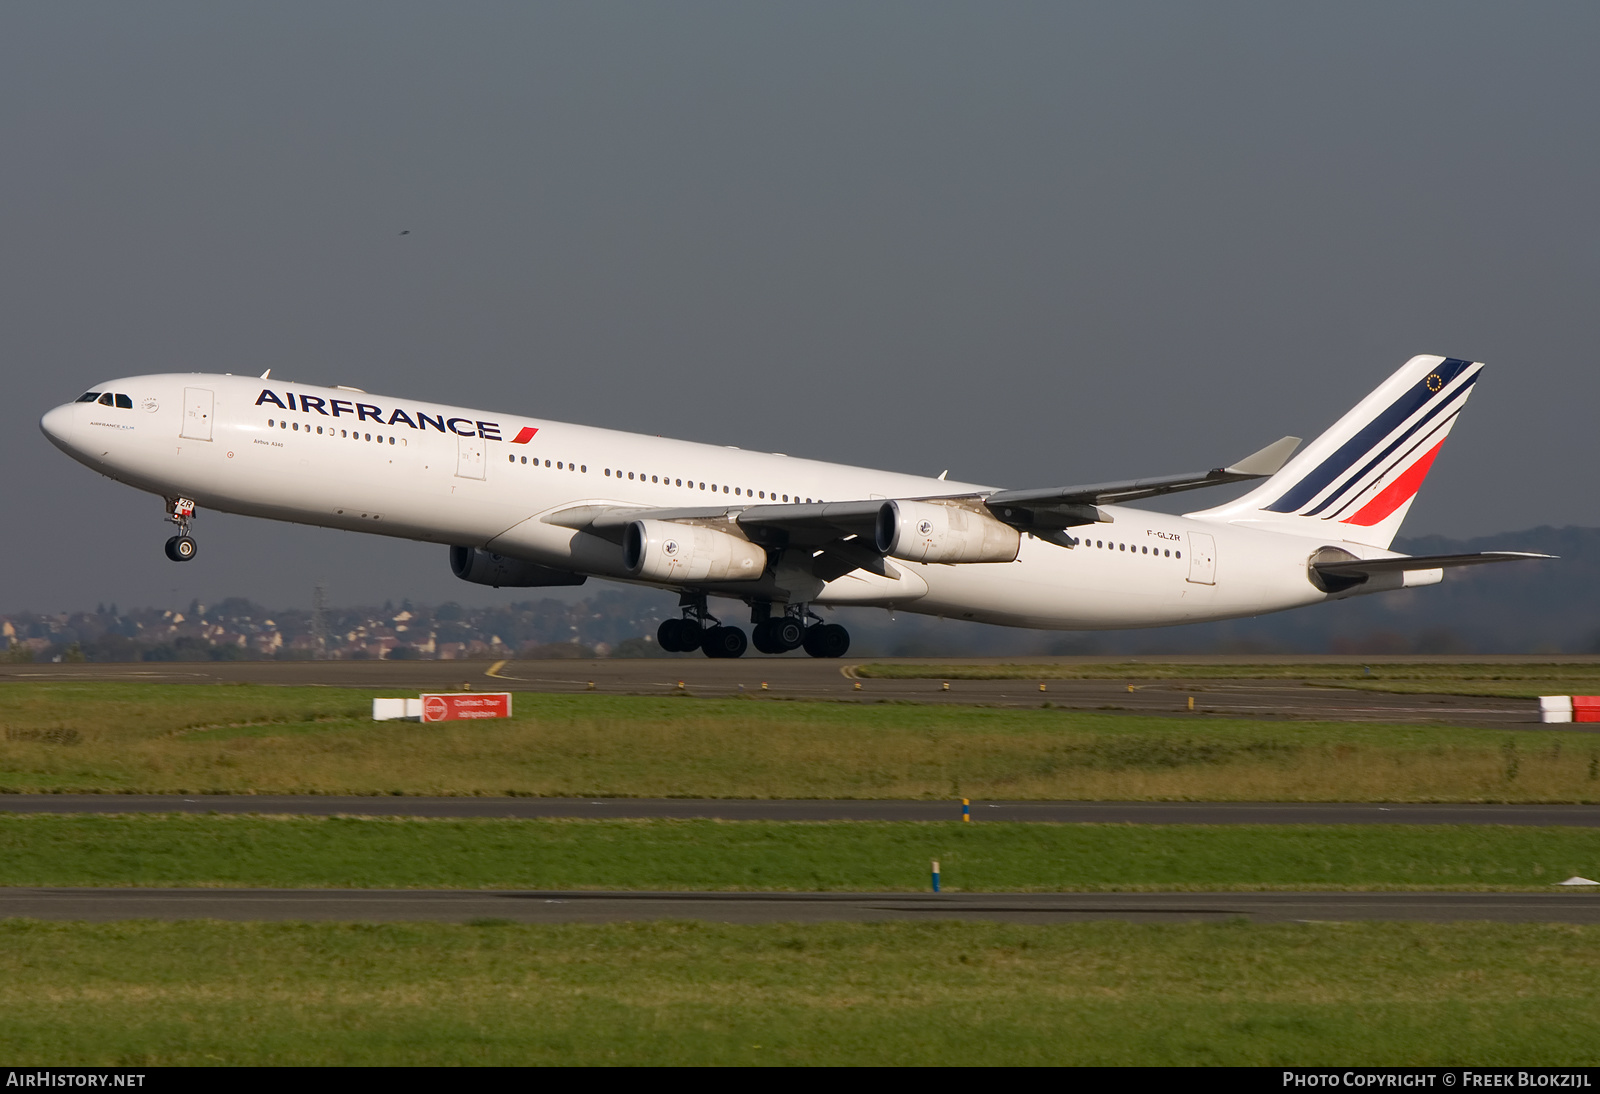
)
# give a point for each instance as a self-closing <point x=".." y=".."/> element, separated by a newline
<point x="267" y="375"/>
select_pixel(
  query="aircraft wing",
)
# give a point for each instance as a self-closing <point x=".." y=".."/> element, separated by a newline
<point x="841" y="534"/>
<point x="796" y="525"/>
<point x="1070" y="506"/>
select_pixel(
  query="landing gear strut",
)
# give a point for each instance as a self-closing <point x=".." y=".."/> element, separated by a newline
<point x="181" y="547"/>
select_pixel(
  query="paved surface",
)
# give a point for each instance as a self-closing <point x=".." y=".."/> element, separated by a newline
<point x="1583" y="816"/>
<point x="456" y="906"/>
<point x="808" y="678"/>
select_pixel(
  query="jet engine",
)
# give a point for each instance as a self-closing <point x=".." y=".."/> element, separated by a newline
<point x="660" y="550"/>
<point x="482" y="567"/>
<point x="919" y="531"/>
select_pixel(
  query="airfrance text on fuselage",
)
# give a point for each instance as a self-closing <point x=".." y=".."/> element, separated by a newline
<point x="371" y="412"/>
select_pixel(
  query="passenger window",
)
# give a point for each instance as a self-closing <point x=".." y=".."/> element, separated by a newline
<point x="654" y="479"/>
<point x="269" y="423"/>
<point x="124" y="403"/>
<point x="1177" y="554"/>
<point x="297" y="427"/>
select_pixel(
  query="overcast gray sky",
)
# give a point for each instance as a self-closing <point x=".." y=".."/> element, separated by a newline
<point x="1035" y="244"/>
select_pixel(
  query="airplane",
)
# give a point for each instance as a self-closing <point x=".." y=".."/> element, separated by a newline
<point x="526" y="502"/>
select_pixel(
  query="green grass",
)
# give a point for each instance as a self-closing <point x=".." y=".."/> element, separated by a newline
<point x="1512" y="680"/>
<point x="162" y="738"/>
<point x="147" y="994"/>
<point x="304" y="852"/>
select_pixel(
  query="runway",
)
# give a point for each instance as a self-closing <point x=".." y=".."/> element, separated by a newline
<point x="808" y="678"/>
<point x="1060" y="812"/>
<point x="456" y="906"/>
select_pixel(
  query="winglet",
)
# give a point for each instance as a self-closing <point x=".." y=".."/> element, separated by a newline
<point x="1268" y="460"/>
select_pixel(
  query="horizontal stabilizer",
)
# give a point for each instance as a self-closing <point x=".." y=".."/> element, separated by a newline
<point x="1369" y="566"/>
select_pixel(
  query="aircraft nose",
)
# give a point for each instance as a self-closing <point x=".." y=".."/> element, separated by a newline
<point x="57" y="425"/>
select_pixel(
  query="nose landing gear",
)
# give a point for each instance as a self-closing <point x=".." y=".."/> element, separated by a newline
<point x="181" y="547"/>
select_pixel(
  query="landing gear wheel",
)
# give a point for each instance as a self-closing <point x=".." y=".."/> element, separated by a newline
<point x="724" y="642"/>
<point x="778" y="635"/>
<point x="785" y="634"/>
<point x="827" y="640"/>
<point x="181" y="548"/>
<point x="678" y="636"/>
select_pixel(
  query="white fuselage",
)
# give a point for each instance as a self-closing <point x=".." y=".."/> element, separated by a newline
<point x="339" y="458"/>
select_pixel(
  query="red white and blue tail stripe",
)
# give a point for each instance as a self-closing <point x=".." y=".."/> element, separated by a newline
<point x="1357" y="480"/>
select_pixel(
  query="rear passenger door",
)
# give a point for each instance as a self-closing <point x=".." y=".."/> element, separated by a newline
<point x="1202" y="559"/>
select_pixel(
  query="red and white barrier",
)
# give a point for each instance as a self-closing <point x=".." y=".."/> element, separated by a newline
<point x="1569" y="708"/>
<point x="452" y="706"/>
<point x="444" y="707"/>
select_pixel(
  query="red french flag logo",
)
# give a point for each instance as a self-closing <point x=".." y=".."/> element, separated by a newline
<point x="524" y="435"/>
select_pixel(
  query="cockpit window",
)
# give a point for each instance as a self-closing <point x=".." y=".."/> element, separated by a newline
<point x="88" y="396"/>
<point x="105" y="400"/>
<point x="124" y="403"/>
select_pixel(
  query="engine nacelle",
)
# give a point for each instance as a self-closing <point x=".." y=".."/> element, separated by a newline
<point x="482" y="567"/>
<point x="660" y="550"/>
<point x="919" y="531"/>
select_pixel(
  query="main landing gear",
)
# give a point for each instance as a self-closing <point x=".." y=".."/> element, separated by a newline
<point x="792" y="631"/>
<point x="181" y="547"/>
<point x="693" y="633"/>
<point x="772" y="634"/>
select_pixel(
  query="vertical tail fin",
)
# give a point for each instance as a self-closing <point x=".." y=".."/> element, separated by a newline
<point x="1357" y="481"/>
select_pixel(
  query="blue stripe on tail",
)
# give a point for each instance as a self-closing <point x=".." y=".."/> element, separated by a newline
<point x="1456" y="395"/>
<point x="1362" y="443"/>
